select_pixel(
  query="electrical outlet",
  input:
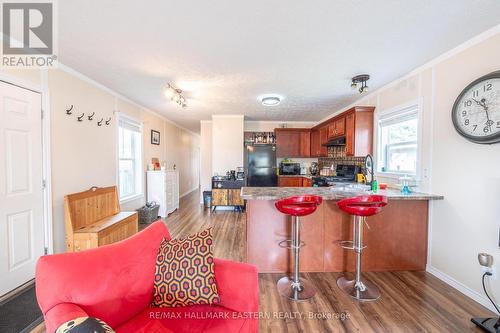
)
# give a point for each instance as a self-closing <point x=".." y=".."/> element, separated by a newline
<point x="491" y="270"/>
<point x="493" y="273"/>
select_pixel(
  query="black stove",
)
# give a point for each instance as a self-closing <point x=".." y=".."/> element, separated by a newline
<point x="345" y="174"/>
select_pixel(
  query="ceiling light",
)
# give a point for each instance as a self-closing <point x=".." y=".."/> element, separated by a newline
<point x="175" y="95"/>
<point x="360" y="80"/>
<point x="271" y="101"/>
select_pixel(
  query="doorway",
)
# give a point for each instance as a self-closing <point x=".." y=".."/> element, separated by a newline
<point x="22" y="229"/>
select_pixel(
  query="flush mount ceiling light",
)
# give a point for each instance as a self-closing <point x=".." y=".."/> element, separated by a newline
<point x="271" y="100"/>
<point x="360" y="80"/>
<point x="175" y="95"/>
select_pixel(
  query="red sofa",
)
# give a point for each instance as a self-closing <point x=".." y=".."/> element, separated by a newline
<point x="115" y="284"/>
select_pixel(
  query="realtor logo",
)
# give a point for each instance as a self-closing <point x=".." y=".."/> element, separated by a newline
<point x="28" y="34"/>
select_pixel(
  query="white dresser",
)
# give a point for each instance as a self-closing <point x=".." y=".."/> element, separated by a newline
<point x="163" y="188"/>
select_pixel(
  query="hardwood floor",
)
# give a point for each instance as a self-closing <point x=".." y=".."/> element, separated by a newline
<point x="410" y="302"/>
<point x="229" y="228"/>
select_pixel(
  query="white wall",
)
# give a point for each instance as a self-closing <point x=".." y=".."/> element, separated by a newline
<point x="467" y="221"/>
<point x="206" y="156"/>
<point x="84" y="155"/>
<point x="178" y="147"/>
<point x="227" y="143"/>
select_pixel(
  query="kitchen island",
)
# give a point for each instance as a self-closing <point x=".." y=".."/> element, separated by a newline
<point x="396" y="238"/>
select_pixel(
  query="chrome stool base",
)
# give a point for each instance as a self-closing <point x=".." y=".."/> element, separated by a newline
<point x="365" y="291"/>
<point x="303" y="292"/>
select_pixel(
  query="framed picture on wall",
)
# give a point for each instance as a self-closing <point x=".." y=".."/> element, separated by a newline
<point x="155" y="137"/>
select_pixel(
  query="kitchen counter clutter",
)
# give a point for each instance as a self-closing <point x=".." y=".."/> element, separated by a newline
<point x="328" y="193"/>
<point x="299" y="176"/>
<point x="396" y="239"/>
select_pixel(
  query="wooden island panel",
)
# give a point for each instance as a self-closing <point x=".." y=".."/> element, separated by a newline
<point x="266" y="227"/>
<point x="396" y="240"/>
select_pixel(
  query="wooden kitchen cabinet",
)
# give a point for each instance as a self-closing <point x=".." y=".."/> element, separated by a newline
<point x="359" y="139"/>
<point x="293" y="142"/>
<point x="340" y="126"/>
<point x="287" y="142"/>
<point x="234" y="197"/>
<point x="336" y="128"/>
<point x="298" y="181"/>
<point x="349" y="137"/>
<point x="315" y="144"/>
<point x="305" y="143"/>
<point x="290" y="181"/>
<point x="356" y="124"/>
<point x="323" y="139"/>
<point x="307" y="182"/>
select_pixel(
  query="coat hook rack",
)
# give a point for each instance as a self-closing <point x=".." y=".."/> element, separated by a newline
<point x="91" y="116"/>
<point x="99" y="123"/>
<point x="108" y="121"/>
<point x="68" y="111"/>
<point x="81" y="117"/>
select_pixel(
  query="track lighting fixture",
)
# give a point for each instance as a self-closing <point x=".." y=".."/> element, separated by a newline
<point x="175" y="95"/>
<point x="360" y="80"/>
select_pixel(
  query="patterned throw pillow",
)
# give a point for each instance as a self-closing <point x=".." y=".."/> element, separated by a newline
<point x="84" y="325"/>
<point x="185" y="272"/>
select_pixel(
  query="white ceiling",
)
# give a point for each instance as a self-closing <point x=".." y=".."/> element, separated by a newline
<point x="225" y="53"/>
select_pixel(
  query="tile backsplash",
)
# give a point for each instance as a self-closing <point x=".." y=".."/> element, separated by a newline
<point x="337" y="151"/>
<point x="328" y="162"/>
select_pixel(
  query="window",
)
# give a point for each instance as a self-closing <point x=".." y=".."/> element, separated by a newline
<point x="129" y="158"/>
<point x="398" y="141"/>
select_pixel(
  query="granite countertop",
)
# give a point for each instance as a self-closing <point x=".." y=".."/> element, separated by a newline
<point x="328" y="193"/>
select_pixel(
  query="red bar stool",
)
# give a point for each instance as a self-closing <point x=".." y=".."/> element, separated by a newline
<point x="360" y="207"/>
<point x="295" y="288"/>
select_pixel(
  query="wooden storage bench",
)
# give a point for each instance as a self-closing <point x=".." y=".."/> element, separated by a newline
<point x="93" y="219"/>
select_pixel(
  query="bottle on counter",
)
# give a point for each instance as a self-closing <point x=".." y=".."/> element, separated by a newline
<point x="405" y="184"/>
<point x="374" y="186"/>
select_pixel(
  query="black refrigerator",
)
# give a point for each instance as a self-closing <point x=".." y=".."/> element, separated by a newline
<point x="260" y="164"/>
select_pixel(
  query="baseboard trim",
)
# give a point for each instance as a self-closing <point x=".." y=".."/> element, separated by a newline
<point x="189" y="191"/>
<point x="483" y="300"/>
<point x="14" y="292"/>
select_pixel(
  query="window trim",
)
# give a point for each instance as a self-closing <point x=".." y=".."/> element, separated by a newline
<point x="395" y="112"/>
<point x="135" y="123"/>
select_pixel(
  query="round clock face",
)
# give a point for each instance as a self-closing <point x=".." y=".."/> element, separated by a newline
<point x="476" y="112"/>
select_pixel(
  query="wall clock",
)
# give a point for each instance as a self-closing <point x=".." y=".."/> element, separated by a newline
<point x="476" y="112"/>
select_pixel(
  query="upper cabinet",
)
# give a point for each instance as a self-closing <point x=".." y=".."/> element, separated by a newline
<point x="323" y="139"/>
<point x="349" y="136"/>
<point x="355" y="124"/>
<point x="305" y="143"/>
<point x="293" y="142"/>
<point x="336" y="128"/>
<point x="319" y="137"/>
<point x="315" y="143"/>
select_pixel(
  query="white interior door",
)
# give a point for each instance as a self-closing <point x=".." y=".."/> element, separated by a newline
<point x="21" y="192"/>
